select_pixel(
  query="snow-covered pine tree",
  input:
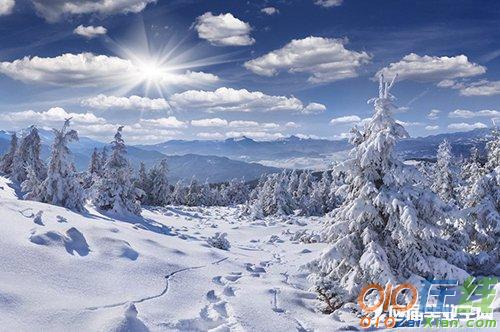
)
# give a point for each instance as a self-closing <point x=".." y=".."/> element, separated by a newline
<point x="32" y="186"/>
<point x="482" y="213"/>
<point x="159" y="193"/>
<point x="293" y="183"/>
<point x="28" y="155"/>
<point x="236" y="192"/>
<point x="142" y="182"/>
<point x="471" y="171"/>
<point x="207" y="197"/>
<point x="104" y="157"/>
<point x="179" y="194"/>
<point x="443" y="184"/>
<point x="387" y="228"/>
<point x="303" y="193"/>
<point x="115" y="191"/>
<point x="95" y="164"/>
<point x="193" y="193"/>
<point x="8" y="158"/>
<point x="61" y="186"/>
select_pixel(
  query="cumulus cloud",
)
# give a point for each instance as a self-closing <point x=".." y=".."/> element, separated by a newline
<point x="126" y="103"/>
<point x="168" y="122"/>
<point x="432" y="68"/>
<point x="87" y="69"/>
<point x="214" y="122"/>
<point x="328" y="3"/>
<point x="345" y="119"/>
<point x="231" y="100"/>
<point x="6" y="7"/>
<point x="466" y="114"/>
<point x="480" y="88"/>
<point x="431" y="128"/>
<point x="52" y="117"/>
<point x="462" y="126"/>
<point x="223" y="30"/>
<point x="256" y="135"/>
<point x="433" y="114"/>
<point x="292" y="124"/>
<point x="269" y="10"/>
<point x="213" y="136"/>
<point x="325" y="59"/>
<point x="54" y="10"/>
<point x="90" y="31"/>
<point x="314" y="108"/>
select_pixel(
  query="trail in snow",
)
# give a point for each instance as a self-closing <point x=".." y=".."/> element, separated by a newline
<point x="163" y="292"/>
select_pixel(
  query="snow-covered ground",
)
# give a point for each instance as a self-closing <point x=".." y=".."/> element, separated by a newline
<point x="63" y="271"/>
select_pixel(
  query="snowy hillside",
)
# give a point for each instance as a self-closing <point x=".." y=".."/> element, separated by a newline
<point x="67" y="271"/>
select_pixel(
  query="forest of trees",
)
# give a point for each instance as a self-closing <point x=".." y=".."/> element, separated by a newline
<point x="386" y="221"/>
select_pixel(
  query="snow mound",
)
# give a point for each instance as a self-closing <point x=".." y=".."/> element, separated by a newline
<point x="73" y="241"/>
<point x="125" y="320"/>
<point x="116" y="248"/>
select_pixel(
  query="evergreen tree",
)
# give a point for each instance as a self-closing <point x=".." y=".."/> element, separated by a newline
<point x="62" y="186"/>
<point x="179" y="194"/>
<point x="387" y="229"/>
<point x="115" y="191"/>
<point x="444" y="180"/>
<point x="28" y="155"/>
<point x="8" y="158"/>
<point x="95" y="165"/>
<point x="159" y="193"/>
<point x="32" y="186"/>
<point x="193" y="193"/>
<point x="143" y="183"/>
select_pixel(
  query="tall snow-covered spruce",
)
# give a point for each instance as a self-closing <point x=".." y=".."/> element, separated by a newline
<point x="28" y="155"/>
<point x="387" y="229"/>
<point x="62" y="186"/>
<point x="115" y="191"/>
<point x="159" y="192"/>
<point x="444" y="179"/>
<point x="8" y="159"/>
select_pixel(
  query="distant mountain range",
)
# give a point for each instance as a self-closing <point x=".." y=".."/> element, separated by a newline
<point x="223" y="160"/>
<point x="182" y="167"/>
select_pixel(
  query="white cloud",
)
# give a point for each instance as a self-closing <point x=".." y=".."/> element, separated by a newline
<point x="433" y="114"/>
<point x="431" y="128"/>
<point x="462" y="126"/>
<point x="409" y="123"/>
<point x="87" y="69"/>
<point x="292" y="124"/>
<point x="212" y="136"/>
<point x="325" y="59"/>
<point x="328" y="3"/>
<point x="6" y="7"/>
<point x="214" y="122"/>
<point x="168" y="122"/>
<point x="231" y="100"/>
<point x="126" y="103"/>
<point x="466" y="114"/>
<point x="345" y="119"/>
<point x="269" y="10"/>
<point x="314" y="108"/>
<point x="53" y="116"/>
<point x="257" y="135"/>
<point x="54" y="10"/>
<point x="432" y="68"/>
<point x="480" y="88"/>
<point x="90" y="31"/>
<point x="223" y="30"/>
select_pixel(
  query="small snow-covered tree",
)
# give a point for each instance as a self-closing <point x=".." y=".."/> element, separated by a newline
<point x="115" y="191"/>
<point x="493" y="149"/>
<point x="471" y="172"/>
<point x="28" y="155"/>
<point x="159" y="193"/>
<point x="443" y="182"/>
<point x="32" y="186"/>
<point x="8" y="158"/>
<point x="193" y="193"/>
<point x="62" y="186"/>
<point x="293" y="182"/>
<point x="95" y="164"/>
<point x="387" y="229"/>
<point x="142" y="182"/>
<point x="179" y="194"/>
<point x="236" y="192"/>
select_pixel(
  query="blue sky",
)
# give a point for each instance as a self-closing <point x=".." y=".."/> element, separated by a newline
<point x="265" y="69"/>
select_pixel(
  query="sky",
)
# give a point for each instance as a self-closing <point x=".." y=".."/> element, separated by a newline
<point x="219" y="69"/>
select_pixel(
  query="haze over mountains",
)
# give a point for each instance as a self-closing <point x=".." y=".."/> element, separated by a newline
<point x="219" y="161"/>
